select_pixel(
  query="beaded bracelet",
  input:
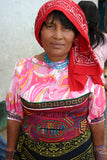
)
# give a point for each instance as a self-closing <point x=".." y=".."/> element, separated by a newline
<point x="99" y="148"/>
<point x="99" y="152"/>
<point x="10" y="153"/>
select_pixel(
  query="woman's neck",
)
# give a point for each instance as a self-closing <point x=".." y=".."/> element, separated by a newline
<point x="56" y="65"/>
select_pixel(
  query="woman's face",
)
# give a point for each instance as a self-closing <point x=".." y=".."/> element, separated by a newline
<point x="56" y="39"/>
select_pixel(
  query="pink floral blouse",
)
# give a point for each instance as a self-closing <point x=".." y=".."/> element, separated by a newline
<point x="34" y="81"/>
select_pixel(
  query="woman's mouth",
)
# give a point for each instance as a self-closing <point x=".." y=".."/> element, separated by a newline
<point x="57" y="45"/>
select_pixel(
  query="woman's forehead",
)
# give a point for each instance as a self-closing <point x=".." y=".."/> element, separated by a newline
<point x="56" y="15"/>
<point x="50" y="18"/>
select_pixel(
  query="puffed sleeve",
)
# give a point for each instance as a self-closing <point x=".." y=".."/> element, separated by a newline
<point x="13" y="101"/>
<point x="97" y="105"/>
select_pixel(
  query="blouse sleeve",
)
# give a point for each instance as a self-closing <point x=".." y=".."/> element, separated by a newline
<point x="97" y="105"/>
<point x="13" y="101"/>
<point x="104" y="49"/>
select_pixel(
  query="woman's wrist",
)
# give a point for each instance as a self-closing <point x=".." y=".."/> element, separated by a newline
<point x="10" y="153"/>
<point x="99" y="152"/>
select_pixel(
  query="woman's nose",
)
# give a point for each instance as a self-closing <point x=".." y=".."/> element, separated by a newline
<point x="58" y="33"/>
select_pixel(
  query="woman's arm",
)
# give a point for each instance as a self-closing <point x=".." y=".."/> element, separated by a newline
<point x="98" y="139"/>
<point x="97" y="133"/>
<point x="13" y="130"/>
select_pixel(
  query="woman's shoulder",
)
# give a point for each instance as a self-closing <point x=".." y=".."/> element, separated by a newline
<point x="40" y="57"/>
<point x="105" y="36"/>
<point x="24" y="64"/>
<point x="101" y="49"/>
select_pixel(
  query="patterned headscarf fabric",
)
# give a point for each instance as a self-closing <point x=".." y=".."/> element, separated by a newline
<point x="82" y="60"/>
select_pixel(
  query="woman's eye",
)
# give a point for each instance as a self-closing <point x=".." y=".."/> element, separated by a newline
<point x="66" y="28"/>
<point x="50" y="26"/>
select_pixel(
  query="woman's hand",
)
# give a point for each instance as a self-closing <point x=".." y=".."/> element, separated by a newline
<point x="10" y="153"/>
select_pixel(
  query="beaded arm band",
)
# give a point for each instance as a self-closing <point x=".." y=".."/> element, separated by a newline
<point x="10" y="153"/>
<point x="99" y="152"/>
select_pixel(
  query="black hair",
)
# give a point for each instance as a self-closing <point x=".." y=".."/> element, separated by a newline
<point x="58" y="15"/>
<point x="92" y="16"/>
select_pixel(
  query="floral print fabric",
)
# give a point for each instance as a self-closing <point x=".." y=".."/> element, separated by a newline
<point x="34" y="81"/>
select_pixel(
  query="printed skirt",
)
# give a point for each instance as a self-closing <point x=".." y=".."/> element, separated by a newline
<point x="78" y="148"/>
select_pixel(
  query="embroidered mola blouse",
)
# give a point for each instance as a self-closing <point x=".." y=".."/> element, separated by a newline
<point x="34" y="81"/>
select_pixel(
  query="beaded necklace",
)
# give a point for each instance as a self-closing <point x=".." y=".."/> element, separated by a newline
<point x="56" y="65"/>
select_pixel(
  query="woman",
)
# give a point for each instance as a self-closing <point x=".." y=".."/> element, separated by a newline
<point x="54" y="97"/>
<point x="98" y="39"/>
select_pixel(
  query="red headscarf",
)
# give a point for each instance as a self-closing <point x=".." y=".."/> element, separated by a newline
<point x="82" y="60"/>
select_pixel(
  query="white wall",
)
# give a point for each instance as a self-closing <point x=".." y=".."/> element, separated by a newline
<point x="17" y="39"/>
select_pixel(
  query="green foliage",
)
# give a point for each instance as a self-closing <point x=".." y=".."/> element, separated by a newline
<point x="3" y="115"/>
